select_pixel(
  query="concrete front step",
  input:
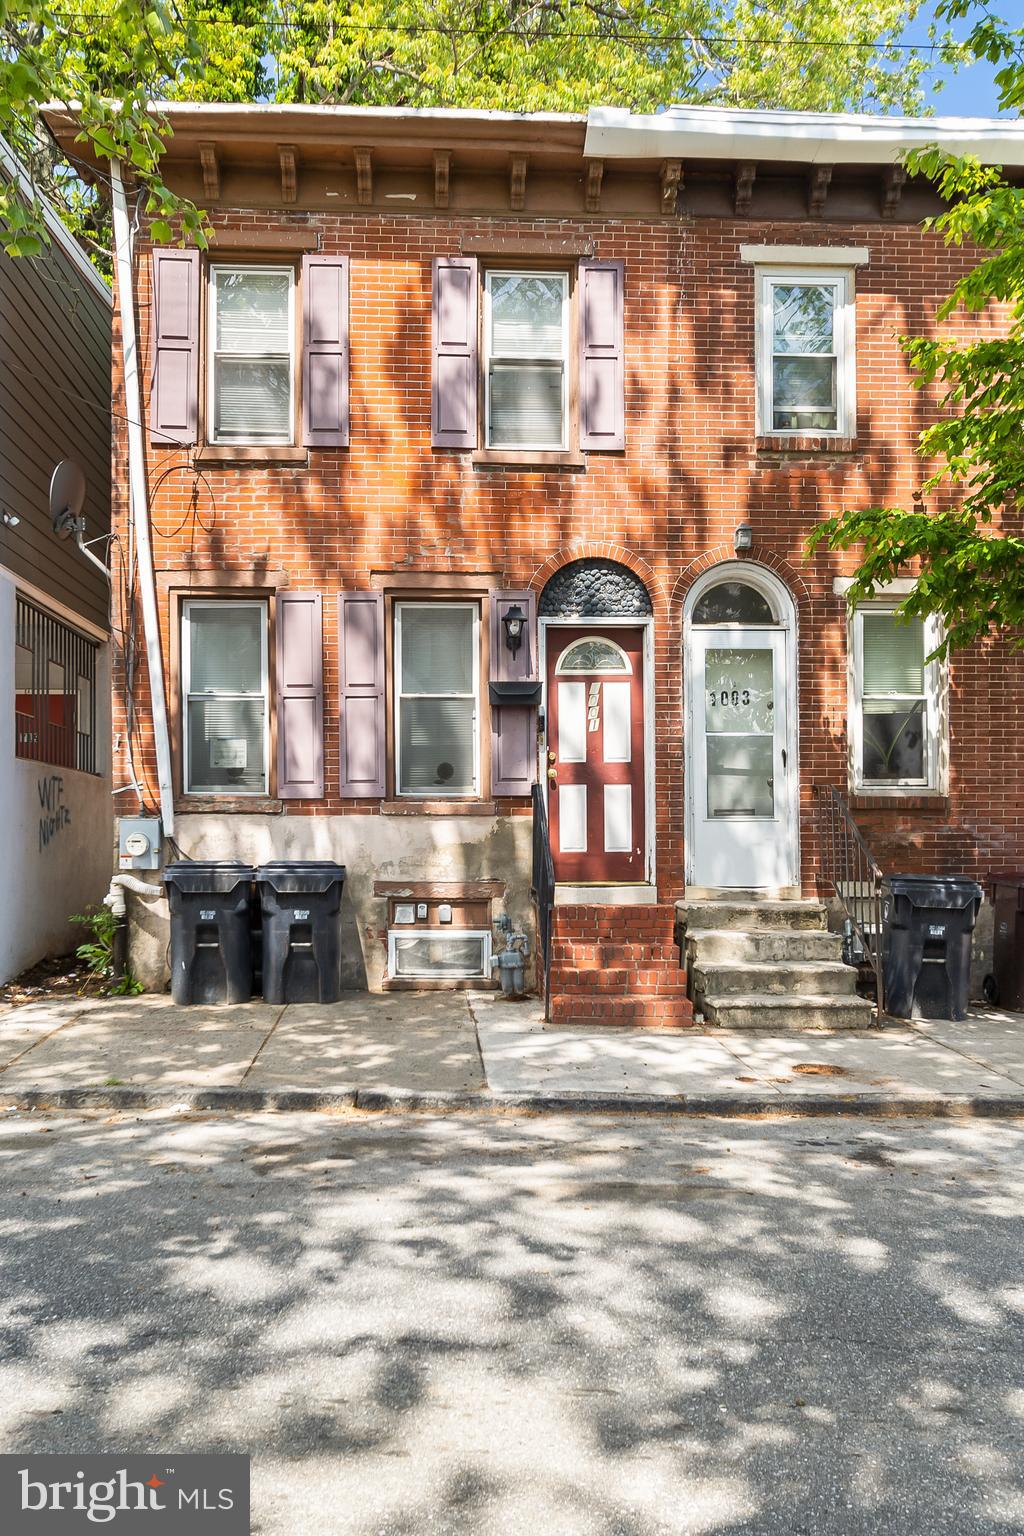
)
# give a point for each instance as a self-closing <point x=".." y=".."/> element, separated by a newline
<point x="786" y="1011"/>
<point x="727" y="946"/>
<point x="748" y="916"/>
<point x="830" y="978"/>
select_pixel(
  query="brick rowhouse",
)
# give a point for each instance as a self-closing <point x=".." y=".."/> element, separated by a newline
<point x="391" y="513"/>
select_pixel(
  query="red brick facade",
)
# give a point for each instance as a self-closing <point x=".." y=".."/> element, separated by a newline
<point x="666" y="507"/>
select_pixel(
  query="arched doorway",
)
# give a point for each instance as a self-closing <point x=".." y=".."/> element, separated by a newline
<point x="742" y="776"/>
<point x="595" y="625"/>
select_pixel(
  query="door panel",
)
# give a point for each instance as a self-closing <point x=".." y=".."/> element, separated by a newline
<point x="572" y="722"/>
<point x="595" y="691"/>
<point x="739" y="760"/>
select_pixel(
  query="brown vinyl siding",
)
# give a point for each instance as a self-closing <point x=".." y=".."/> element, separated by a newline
<point x="55" y="359"/>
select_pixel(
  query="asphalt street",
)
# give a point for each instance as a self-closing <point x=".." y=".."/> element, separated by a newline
<point x="495" y="1325"/>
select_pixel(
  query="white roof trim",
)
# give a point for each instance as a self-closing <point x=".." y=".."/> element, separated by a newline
<point x="12" y="167"/>
<point x="826" y="138"/>
<point x="806" y="255"/>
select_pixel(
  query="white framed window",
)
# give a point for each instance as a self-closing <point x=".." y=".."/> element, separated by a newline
<point x="225" y="697"/>
<point x="895" y="715"/>
<point x="526" y="359"/>
<point x="437" y="684"/>
<point x="805" y="345"/>
<point x="251" y="355"/>
<point x="442" y="953"/>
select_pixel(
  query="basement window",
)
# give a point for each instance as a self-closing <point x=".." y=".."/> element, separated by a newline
<point x="439" y="954"/>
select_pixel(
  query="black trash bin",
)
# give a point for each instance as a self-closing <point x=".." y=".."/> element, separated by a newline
<point x="1005" y="984"/>
<point x="927" y="923"/>
<point x="211" y="947"/>
<point x="301" y="901"/>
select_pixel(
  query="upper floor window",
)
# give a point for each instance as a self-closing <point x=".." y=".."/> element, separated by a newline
<point x="54" y="691"/>
<point x="251" y="361"/>
<point x="805" y="353"/>
<point x="895" y="717"/>
<point x="526" y="340"/>
<point x="225" y="689"/>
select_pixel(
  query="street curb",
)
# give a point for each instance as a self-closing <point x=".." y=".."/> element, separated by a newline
<point x="406" y="1101"/>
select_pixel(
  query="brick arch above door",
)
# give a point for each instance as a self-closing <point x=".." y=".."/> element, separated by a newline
<point x="724" y="554"/>
<point x="598" y="580"/>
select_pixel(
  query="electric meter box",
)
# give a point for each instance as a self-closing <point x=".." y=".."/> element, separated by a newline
<point x="138" y="842"/>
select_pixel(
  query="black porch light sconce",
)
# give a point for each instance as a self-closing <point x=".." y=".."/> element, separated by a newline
<point x="743" y="538"/>
<point x="513" y="620"/>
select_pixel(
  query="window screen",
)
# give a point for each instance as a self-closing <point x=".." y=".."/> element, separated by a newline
<point x="225" y="664"/>
<point x="894" y="700"/>
<point x="526" y="359"/>
<point x="436" y="652"/>
<point x="251" y="325"/>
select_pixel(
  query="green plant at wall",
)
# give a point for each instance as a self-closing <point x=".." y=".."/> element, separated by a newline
<point x="98" y="951"/>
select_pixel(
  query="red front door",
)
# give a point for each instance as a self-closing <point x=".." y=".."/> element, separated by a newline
<point x="596" y="753"/>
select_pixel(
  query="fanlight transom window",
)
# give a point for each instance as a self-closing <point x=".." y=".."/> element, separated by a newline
<point x="733" y="602"/>
<point x="593" y="653"/>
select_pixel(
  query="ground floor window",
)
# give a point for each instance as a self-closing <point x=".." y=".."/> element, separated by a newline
<point x="436" y="699"/>
<point x="54" y="691"/>
<point x="225" y="690"/>
<point x="894" y="709"/>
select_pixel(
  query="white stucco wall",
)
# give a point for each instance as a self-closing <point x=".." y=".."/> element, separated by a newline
<point x="371" y="848"/>
<point x="55" y="827"/>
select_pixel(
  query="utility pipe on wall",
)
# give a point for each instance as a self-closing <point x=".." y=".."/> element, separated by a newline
<point x="137" y="496"/>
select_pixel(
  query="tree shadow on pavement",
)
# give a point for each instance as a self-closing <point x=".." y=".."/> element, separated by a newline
<point x="490" y="1325"/>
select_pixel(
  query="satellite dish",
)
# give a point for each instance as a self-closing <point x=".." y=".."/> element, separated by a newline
<point x="67" y="498"/>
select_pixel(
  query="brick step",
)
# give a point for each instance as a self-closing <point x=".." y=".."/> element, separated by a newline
<point x="625" y="983"/>
<point x="583" y="955"/>
<point x="626" y="1012"/>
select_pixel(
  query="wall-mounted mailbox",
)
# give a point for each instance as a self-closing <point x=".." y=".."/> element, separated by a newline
<point x="514" y="693"/>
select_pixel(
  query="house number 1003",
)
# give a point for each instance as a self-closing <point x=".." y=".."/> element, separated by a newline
<point x="727" y="696"/>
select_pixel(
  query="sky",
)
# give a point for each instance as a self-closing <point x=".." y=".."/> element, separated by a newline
<point x="971" y="92"/>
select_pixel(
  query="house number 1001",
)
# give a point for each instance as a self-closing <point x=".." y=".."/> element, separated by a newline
<point x="734" y="696"/>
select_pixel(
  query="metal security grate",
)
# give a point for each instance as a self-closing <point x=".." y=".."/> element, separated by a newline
<point x="54" y="691"/>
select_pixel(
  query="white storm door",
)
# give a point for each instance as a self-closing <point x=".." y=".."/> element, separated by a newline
<point x="739" y="759"/>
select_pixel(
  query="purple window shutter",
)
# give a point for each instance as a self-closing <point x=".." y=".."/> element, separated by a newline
<point x="300" y="696"/>
<point x="325" y="354"/>
<point x="174" y="406"/>
<point x="513" y="726"/>
<point x="363" y="726"/>
<point x="453" y="410"/>
<point x="602" y="361"/>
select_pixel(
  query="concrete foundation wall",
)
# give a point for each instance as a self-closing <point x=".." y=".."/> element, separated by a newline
<point x="57" y="838"/>
<point x="372" y="848"/>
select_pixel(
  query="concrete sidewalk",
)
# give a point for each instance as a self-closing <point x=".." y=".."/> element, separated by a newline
<point x="472" y="1050"/>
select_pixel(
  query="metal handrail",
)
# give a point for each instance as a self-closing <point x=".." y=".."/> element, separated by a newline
<point x="853" y="872"/>
<point x="542" y="888"/>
